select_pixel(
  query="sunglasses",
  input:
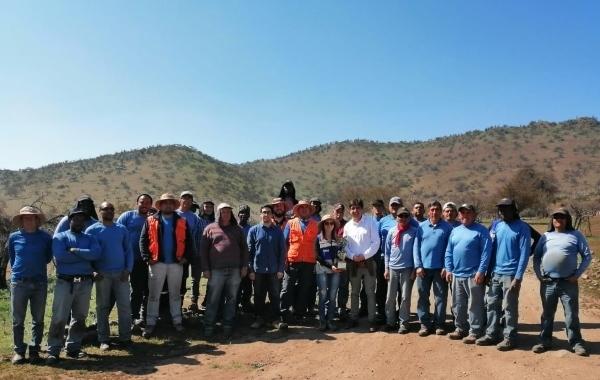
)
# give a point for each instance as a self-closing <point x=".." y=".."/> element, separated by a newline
<point x="329" y="223"/>
<point x="107" y="209"/>
<point x="559" y="216"/>
<point x="403" y="216"/>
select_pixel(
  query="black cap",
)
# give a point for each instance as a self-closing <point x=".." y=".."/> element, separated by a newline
<point x="506" y="202"/>
<point x="467" y="206"/>
<point x="208" y="201"/>
<point x="402" y="211"/>
<point x="76" y="211"/>
<point x="378" y="203"/>
<point x="244" y="208"/>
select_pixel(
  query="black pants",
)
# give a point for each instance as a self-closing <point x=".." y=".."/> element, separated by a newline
<point x="344" y="291"/>
<point x="297" y="281"/>
<point x="266" y="283"/>
<point x="245" y="293"/>
<point x="139" y="290"/>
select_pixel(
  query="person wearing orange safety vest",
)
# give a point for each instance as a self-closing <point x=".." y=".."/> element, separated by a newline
<point x="300" y="235"/>
<point x="166" y="246"/>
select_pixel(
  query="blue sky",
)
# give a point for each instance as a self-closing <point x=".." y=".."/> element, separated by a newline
<point x="243" y="80"/>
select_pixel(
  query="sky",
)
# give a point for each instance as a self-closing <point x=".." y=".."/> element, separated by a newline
<point x="245" y="80"/>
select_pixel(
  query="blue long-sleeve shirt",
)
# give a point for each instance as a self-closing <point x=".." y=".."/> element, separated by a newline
<point x="65" y="224"/>
<point x="267" y="249"/>
<point x="133" y="221"/>
<point x="196" y="225"/>
<point x="556" y="253"/>
<point x="385" y="224"/>
<point x="29" y="254"/>
<point x="80" y="261"/>
<point x="400" y="256"/>
<point x="469" y="250"/>
<point x="115" y="245"/>
<point x="510" y="248"/>
<point x="430" y="244"/>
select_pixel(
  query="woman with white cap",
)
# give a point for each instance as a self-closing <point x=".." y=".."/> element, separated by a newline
<point x="30" y="251"/>
<point x="328" y="275"/>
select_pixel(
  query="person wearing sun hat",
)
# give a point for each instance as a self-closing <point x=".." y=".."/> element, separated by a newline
<point x="30" y="251"/>
<point x="224" y="261"/>
<point x="166" y="245"/>
<point x="85" y="203"/>
<point x="328" y="246"/>
<point x="555" y="264"/>
<point x="300" y="235"/>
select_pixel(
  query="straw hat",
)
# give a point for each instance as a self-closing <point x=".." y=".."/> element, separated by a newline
<point x="329" y="217"/>
<point x="303" y="203"/>
<point x="167" y="197"/>
<point x="28" y="210"/>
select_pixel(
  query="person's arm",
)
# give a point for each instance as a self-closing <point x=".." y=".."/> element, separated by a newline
<point x="61" y="251"/>
<point x="535" y="236"/>
<point x="190" y="246"/>
<point x="48" y="247"/>
<point x="524" y="249"/>
<point x="144" y="243"/>
<point x="62" y="226"/>
<point x="448" y="259"/>
<point x="11" y="251"/>
<point x="204" y="251"/>
<point x="486" y="251"/>
<point x="286" y="236"/>
<point x="93" y="253"/>
<point x="243" y="250"/>
<point x="417" y="249"/>
<point x="374" y="240"/>
<point x="346" y="235"/>
<point x="537" y="257"/>
<point x="584" y="252"/>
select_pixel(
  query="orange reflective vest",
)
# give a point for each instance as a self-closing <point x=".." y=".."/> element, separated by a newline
<point x="154" y="240"/>
<point x="302" y="244"/>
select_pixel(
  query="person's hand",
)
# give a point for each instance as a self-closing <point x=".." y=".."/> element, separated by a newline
<point x="386" y="275"/>
<point x="573" y="279"/>
<point x="206" y="274"/>
<point x="443" y="273"/>
<point x="515" y="285"/>
<point x="279" y="275"/>
<point x="420" y="272"/>
<point x="448" y="276"/>
<point x="358" y="258"/>
<point x="124" y="276"/>
<point x="252" y="276"/>
<point x="335" y="269"/>
<point x="479" y="278"/>
<point x="243" y="271"/>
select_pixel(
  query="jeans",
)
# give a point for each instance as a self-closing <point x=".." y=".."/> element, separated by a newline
<point x="400" y="281"/>
<point x="266" y="283"/>
<point x="139" y="290"/>
<point x="22" y="293"/>
<point x="157" y="274"/>
<point x="363" y="275"/>
<point x="432" y="277"/>
<point x="245" y="292"/>
<point x="328" y="284"/>
<point x="499" y="298"/>
<point x="109" y="286"/>
<point x="568" y="294"/>
<point x="71" y="300"/>
<point x="468" y="297"/>
<point x="296" y="285"/>
<point x="222" y="281"/>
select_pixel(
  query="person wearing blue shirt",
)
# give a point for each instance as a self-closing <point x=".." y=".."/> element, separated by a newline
<point x="429" y="250"/>
<point x="555" y="265"/>
<point x="30" y="251"/>
<point x="134" y="220"/>
<point x="85" y="203"/>
<point x="399" y="270"/>
<point x="266" y="266"/>
<point x="466" y="262"/>
<point x="450" y="213"/>
<point x="511" y="239"/>
<point x="113" y="267"/>
<point x="74" y="253"/>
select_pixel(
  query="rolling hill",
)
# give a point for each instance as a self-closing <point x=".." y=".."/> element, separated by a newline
<point x="454" y="167"/>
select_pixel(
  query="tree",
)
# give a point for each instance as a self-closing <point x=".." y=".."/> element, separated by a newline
<point x="531" y="189"/>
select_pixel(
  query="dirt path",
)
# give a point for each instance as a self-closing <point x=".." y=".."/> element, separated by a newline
<point x="305" y="353"/>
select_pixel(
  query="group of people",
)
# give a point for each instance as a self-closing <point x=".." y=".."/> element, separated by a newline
<point x="293" y="254"/>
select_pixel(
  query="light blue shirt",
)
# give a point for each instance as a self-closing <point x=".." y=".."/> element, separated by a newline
<point x="556" y="254"/>
<point x="511" y="247"/>
<point x="400" y="256"/>
<point x="469" y="250"/>
<point x="430" y="244"/>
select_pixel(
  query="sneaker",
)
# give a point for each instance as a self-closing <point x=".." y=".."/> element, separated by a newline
<point x="322" y="325"/>
<point x="257" y="323"/>
<point x="424" y="331"/>
<point x="77" y="354"/>
<point x="178" y="327"/>
<point x="440" y="331"/>
<point x="331" y="325"/>
<point x="580" y="350"/>
<point x="485" y="340"/>
<point x="403" y="329"/>
<point x="18" y="359"/>
<point x="506" y="345"/>
<point x="457" y="334"/>
<point x="104" y="346"/>
<point x="351" y="323"/>
<point x="539" y="348"/>
<point x="148" y="331"/>
<point x="51" y="359"/>
<point x="470" y="339"/>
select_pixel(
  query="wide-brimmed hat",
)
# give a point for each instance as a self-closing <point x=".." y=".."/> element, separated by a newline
<point x="29" y="210"/>
<point x="166" y="197"/>
<point x="329" y="217"/>
<point x="277" y="201"/>
<point x="301" y="203"/>
<point x="223" y="205"/>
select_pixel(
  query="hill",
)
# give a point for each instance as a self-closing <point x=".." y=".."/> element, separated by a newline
<point x="458" y="167"/>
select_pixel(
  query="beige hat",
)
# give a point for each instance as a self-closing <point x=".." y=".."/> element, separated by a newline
<point x="303" y="203"/>
<point x="29" y="210"/>
<point x="327" y="217"/>
<point x="223" y="205"/>
<point x="167" y="197"/>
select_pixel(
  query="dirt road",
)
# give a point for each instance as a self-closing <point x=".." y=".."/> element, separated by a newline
<point x="305" y="353"/>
